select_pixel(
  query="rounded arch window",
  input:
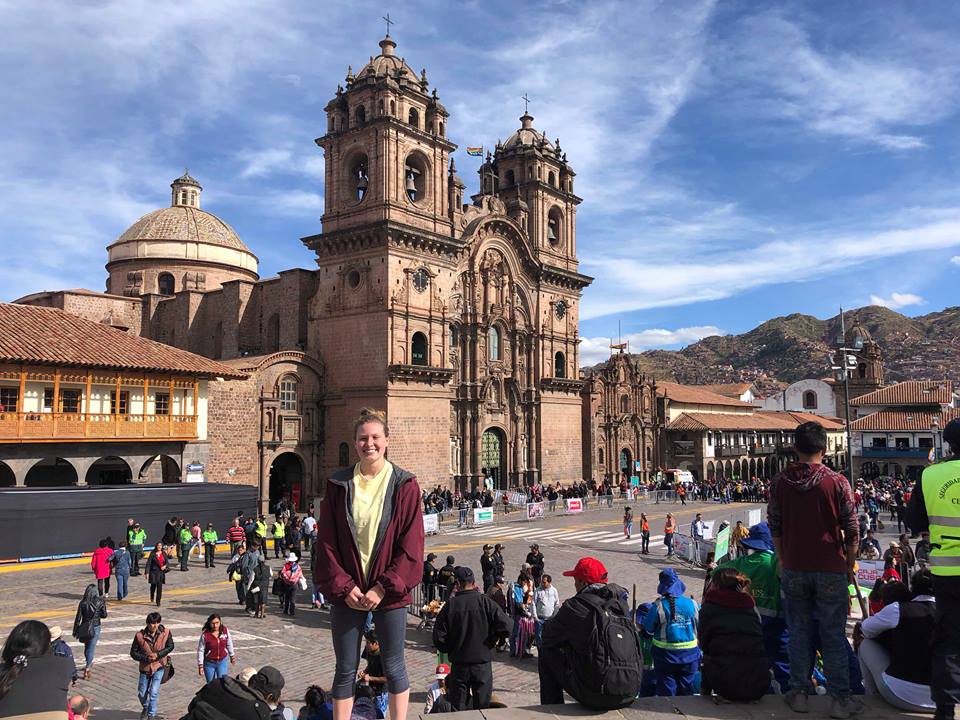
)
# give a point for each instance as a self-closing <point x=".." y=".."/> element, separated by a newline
<point x="552" y="178"/>
<point x="511" y="178"/>
<point x="353" y="279"/>
<point x="809" y="400"/>
<point x="600" y="456"/>
<point x="418" y="349"/>
<point x="441" y="130"/>
<point x="554" y="221"/>
<point x="287" y="390"/>
<point x="343" y="455"/>
<point x="493" y="337"/>
<point x="165" y="284"/>
<point x="415" y="177"/>
<point x="559" y="365"/>
<point x="414" y="118"/>
<point x="624" y="403"/>
<point x="360" y="115"/>
<point x="358" y="178"/>
<point x="454" y="337"/>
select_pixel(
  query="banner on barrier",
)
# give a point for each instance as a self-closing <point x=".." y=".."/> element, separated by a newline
<point x="753" y="517"/>
<point x="431" y="523"/>
<point x="723" y="544"/>
<point x="574" y="505"/>
<point x="536" y="510"/>
<point x="483" y="516"/>
<point x="681" y="544"/>
<point x="708" y="529"/>
<point x="868" y="572"/>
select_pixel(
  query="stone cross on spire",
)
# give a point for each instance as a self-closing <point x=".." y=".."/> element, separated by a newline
<point x="526" y="104"/>
<point x="389" y="22"/>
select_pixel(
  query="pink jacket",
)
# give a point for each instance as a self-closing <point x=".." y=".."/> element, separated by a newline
<point x="100" y="562"/>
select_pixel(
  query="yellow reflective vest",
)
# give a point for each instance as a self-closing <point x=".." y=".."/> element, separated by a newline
<point x="941" y="496"/>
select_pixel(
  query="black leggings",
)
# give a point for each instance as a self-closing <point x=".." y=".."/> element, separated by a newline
<point x="103" y="585"/>
<point x="346" y="626"/>
<point x="156" y="592"/>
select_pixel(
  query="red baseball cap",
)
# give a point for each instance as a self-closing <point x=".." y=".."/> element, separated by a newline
<point x="589" y="570"/>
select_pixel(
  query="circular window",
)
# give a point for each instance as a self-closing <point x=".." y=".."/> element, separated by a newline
<point x="420" y="280"/>
<point x="353" y="279"/>
<point x="560" y="309"/>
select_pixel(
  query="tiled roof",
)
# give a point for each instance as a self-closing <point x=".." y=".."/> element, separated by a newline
<point x="695" y="395"/>
<point x="911" y="392"/>
<point x="695" y="421"/>
<point x="46" y="336"/>
<point x="903" y="420"/>
<point x="734" y="390"/>
<point x="830" y="423"/>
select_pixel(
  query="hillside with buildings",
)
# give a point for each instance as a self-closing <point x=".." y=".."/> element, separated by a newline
<point x="794" y="347"/>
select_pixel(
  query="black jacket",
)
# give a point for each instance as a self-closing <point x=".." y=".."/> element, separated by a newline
<point x="468" y="627"/>
<point x="445" y="577"/>
<point x="488" y="567"/>
<point x="735" y="663"/>
<point x="227" y="699"/>
<point x="429" y="573"/>
<point x="570" y="627"/>
<point x="536" y="565"/>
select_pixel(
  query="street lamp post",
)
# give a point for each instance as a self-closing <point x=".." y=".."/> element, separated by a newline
<point x="935" y="430"/>
<point x="848" y="361"/>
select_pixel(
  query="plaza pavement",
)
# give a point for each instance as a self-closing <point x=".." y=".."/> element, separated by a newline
<point x="300" y="647"/>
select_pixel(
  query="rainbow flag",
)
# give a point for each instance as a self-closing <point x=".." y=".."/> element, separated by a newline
<point x="475" y="151"/>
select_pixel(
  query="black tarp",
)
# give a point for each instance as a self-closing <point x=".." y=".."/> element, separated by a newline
<point x="40" y="522"/>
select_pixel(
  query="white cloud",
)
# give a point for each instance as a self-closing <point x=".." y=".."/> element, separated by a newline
<point x="897" y="300"/>
<point x="629" y="280"/>
<point x="597" y="349"/>
<point x="874" y="97"/>
<point x="955" y="260"/>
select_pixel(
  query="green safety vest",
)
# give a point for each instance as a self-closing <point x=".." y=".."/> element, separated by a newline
<point x="209" y="536"/>
<point x="761" y="568"/>
<point x="138" y="538"/>
<point x="278" y="530"/>
<point x="260" y="529"/>
<point x="185" y="536"/>
<point x="941" y="496"/>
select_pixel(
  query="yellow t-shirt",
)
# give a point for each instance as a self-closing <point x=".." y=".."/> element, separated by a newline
<point x="368" y="498"/>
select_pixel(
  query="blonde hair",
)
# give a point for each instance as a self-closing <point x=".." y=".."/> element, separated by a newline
<point x="369" y="414"/>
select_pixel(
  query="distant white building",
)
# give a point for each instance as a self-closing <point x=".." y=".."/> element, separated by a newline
<point x="808" y="396"/>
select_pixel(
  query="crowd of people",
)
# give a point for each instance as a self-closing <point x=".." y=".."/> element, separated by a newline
<point x="773" y="617"/>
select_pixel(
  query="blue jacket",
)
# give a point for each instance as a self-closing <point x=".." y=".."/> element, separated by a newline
<point x="121" y="558"/>
<point x="674" y="634"/>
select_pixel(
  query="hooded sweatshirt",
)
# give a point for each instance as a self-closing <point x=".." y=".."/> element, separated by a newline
<point x="811" y="510"/>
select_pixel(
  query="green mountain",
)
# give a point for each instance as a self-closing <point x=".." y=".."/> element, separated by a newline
<point x="786" y="349"/>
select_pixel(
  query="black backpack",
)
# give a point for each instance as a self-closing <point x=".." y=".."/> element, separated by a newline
<point x="607" y="675"/>
<point x="227" y="699"/>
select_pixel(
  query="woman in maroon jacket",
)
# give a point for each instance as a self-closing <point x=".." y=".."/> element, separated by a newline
<point x="369" y="556"/>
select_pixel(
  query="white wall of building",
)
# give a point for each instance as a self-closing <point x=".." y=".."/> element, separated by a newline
<point x="797" y="397"/>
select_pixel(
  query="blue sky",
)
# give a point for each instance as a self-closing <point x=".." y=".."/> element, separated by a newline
<point x="737" y="160"/>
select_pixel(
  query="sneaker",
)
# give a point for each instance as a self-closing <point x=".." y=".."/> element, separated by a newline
<point x="842" y="708"/>
<point x="797" y="700"/>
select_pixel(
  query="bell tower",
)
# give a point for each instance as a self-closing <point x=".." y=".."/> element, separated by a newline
<point x="387" y="257"/>
<point x="386" y="149"/>
<point x="531" y="175"/>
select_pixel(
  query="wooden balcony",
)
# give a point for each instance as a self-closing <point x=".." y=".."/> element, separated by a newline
<point x="85" y="427"/>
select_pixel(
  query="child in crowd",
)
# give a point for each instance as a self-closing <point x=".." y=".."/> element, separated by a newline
<point x="373" y="675"/>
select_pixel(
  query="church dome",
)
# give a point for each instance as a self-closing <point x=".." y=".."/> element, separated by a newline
<point x="386" y="65"/>
<point x="195" y="248"/>
<point x="182" y="223"/>
<point x="527" y="136"/>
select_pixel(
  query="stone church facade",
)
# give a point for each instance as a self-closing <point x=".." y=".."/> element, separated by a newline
<point x="460" y="320"/>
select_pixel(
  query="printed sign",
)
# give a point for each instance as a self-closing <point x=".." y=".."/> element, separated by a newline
<point x="195" y="472"/>
<point x="636" y="465"/>
<point x="753" y="517"/>
<point x="723" y="543"/>
<point x="431" y="523"/>
<point x="536" y="510"/>
<point x="574" y="505"/>
<point x="635" y="481"/>
<point x="868" y="572"/>
<point x="483" y="516"/>
<point x="708" y="529"/>
<point x="682" y="545"/>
